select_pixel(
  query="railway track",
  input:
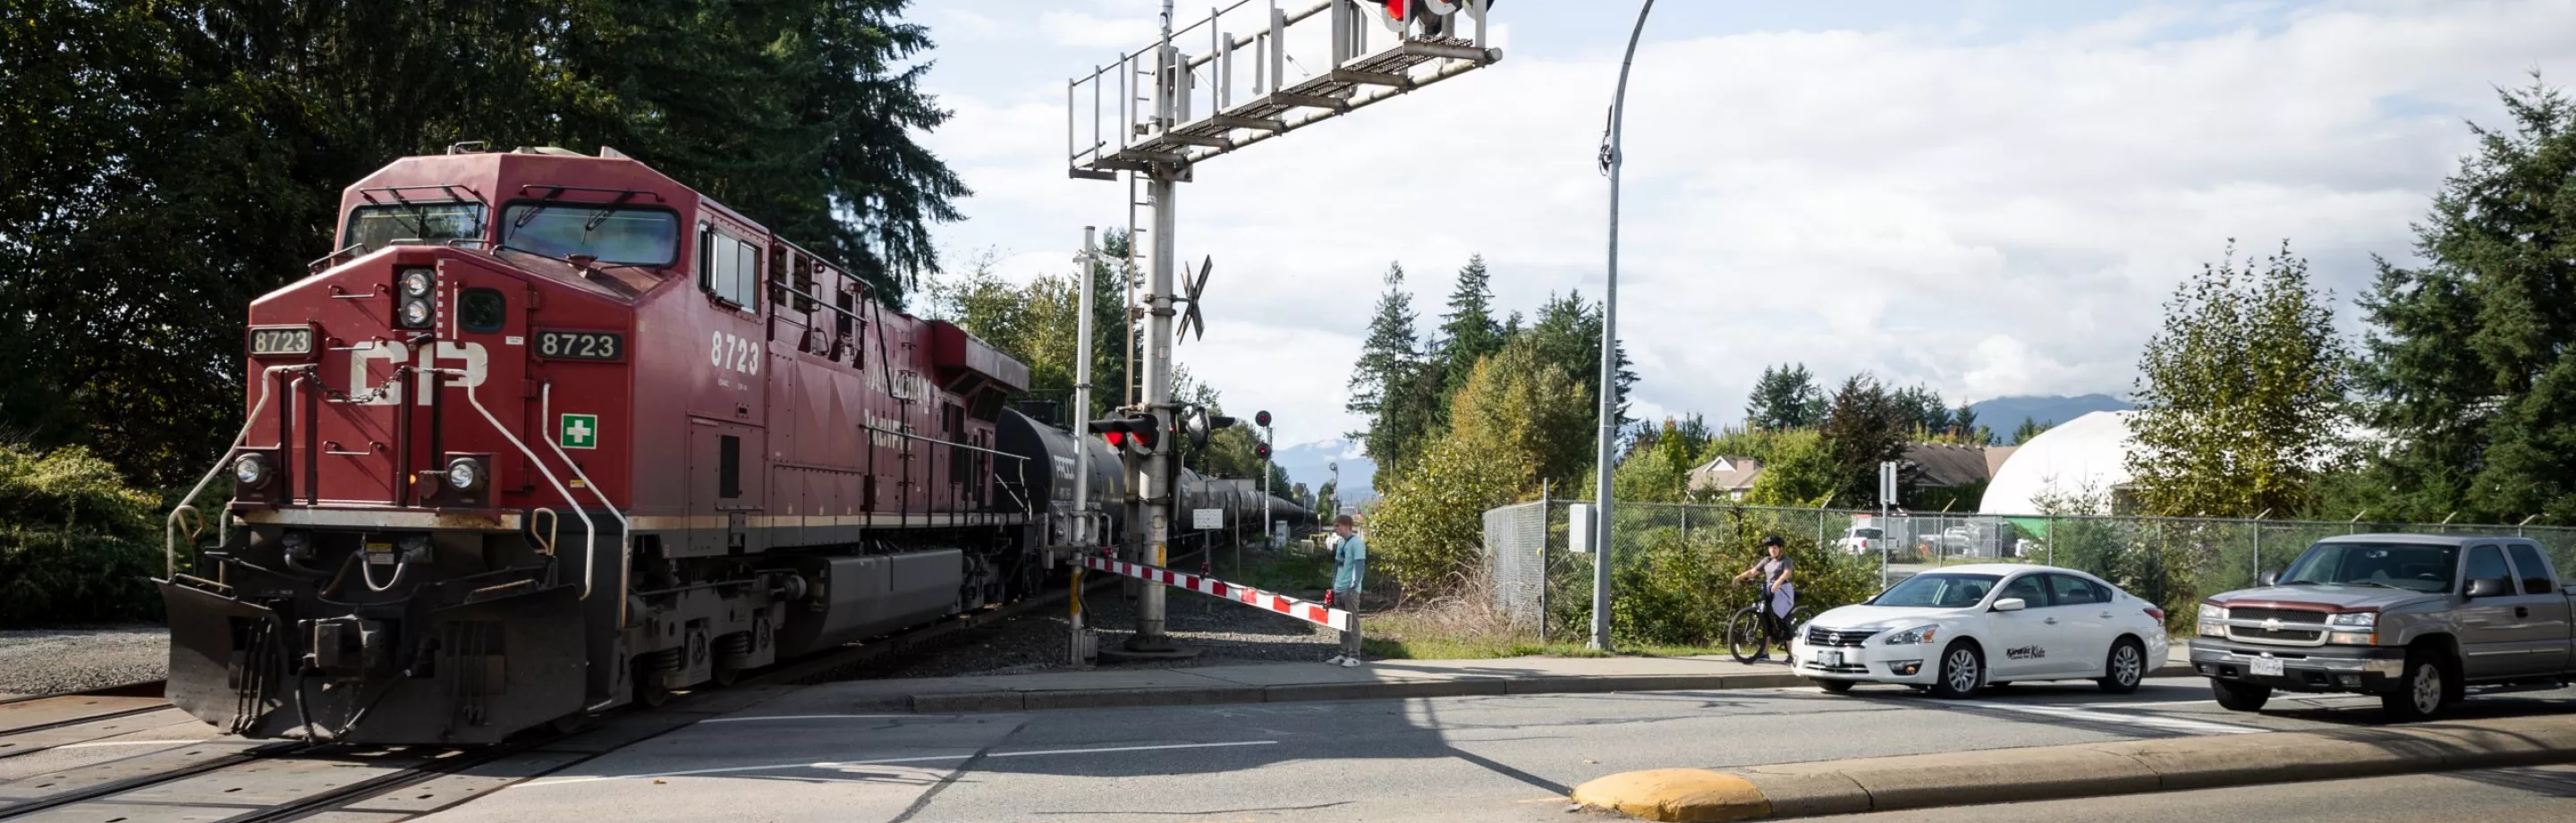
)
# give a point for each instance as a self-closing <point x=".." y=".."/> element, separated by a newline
<point x="231" y="780"/>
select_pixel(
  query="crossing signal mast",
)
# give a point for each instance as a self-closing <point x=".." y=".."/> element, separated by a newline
<point x="1159" y="111"/>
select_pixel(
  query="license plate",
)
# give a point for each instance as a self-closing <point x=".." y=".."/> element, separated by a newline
<point x="1829" y="658"/>
<point x="2267" y="666"/>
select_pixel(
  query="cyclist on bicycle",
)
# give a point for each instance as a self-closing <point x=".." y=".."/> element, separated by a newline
<point x="1778" y="597"/>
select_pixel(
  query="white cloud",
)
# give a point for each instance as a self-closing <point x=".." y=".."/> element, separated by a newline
<point x="1988" y="218"/>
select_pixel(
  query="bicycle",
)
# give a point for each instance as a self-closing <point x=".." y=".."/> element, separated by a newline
<point x="1744" y="631"/>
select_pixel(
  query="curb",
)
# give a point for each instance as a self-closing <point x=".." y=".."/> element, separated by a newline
<point x="1878" y="784"/>
<point x="1035" y="700"/>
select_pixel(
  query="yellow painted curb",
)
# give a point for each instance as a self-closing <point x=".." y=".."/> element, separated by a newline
<point x="1685" y="795"/>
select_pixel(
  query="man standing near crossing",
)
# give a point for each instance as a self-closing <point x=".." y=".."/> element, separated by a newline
<point x="1350" y="564"/>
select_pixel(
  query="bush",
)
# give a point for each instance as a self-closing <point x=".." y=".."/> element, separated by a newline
<point x="1672" y="590"/>
<point x="76" y="545"/>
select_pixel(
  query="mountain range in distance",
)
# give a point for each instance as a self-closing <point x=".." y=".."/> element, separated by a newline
<point x="2003" y="414"/>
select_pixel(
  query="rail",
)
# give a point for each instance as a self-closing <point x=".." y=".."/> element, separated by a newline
<point x="590" y="541"/>
<point x="170" y="525"/>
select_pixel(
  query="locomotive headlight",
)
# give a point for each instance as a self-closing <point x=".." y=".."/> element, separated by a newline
<point x="415" y="282"/>
<point x="251" y="471"/>
<point x="465" y="474"/>
<point x="415" y="313"/>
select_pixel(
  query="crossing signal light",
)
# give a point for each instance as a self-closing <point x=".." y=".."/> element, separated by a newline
<point x="1261" y="450"/>
<point x="1261" y="418"/>
<point x="1138" y="432"/>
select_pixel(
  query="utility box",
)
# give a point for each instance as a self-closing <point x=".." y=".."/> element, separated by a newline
<point x="1578" y="527"/>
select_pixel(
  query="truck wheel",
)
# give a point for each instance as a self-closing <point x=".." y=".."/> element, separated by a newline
<point x="1963" y="672"/>
<point x="2240" y="697"/>
<point x="2126" y="666"/>
<point x="2423" y="692"/>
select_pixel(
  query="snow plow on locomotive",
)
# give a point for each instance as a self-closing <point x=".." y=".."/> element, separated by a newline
<point x="551" y="433"/>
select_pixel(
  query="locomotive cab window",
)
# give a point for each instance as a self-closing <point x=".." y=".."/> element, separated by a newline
<point x="728" y="268"/>
<point x="375" y="227"/>
<point x="482" y="311"/>
<point x="635" y="236"/>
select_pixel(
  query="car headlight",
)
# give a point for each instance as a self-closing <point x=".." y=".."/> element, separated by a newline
<point x="415" y="313"/>
<point x="2361" y="619"/>
<point x="251" y="471"/>
<point x="1913" y="636"/>
<point x="2210" y="614"/>
<point x="465" y="474"/>
<point x="416" y="282"/>
<point x="2213" y="611"/>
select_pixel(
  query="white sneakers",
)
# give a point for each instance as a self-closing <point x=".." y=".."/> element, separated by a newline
<point x="1344" y="662"/>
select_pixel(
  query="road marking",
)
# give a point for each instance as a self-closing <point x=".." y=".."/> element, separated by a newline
<point x="2146" y="720"/>
<point x="805" y="717"/>
<point x="885" y="761"/>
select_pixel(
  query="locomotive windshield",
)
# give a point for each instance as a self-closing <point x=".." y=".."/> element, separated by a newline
<point x="376" y="227"/>
<point x="638" y="236"/>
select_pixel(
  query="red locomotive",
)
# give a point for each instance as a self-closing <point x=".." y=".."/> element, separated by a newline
<point x="551" y="433"/>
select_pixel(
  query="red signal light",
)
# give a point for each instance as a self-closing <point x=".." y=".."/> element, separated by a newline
<point x="1115" y="438"/>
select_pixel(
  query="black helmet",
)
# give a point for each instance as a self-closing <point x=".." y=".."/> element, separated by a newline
<point x="1769" y="541"/>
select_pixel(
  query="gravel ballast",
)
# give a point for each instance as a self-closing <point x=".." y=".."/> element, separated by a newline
<point x="48" y="661"/>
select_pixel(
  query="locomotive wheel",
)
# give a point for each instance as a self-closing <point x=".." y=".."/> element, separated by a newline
<point x="726" y="675"/>
<point x="569" y="723"/>
<point x="649" y="692"/>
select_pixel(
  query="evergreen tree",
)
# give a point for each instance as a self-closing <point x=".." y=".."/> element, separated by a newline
<point x="2028" y="429"/>
<point x="2238" y="395"/>
<point x="1866" y="425"/>
<point x="1567" y="334"/>
<point x="1468" y="332"/>
<point x="1785" y="398"/>
<point x="1390" y="351"/>
<point x="1963" y="423"/>
<point x="2471" y="359"/>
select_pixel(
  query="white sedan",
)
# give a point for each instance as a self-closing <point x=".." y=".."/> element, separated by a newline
<point x="1962" y="628"/>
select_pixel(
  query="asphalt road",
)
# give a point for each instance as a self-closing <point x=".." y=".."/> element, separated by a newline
<point x="2519" y="795"/>
<point x="1484" y="758"/>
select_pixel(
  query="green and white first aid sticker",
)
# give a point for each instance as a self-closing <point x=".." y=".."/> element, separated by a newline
<point x="579" y="431"/>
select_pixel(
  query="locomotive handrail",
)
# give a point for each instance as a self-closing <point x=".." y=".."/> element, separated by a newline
<point x="590" y="542"/>
<point x="625" y="528"/>
<point x="170" y="525"/>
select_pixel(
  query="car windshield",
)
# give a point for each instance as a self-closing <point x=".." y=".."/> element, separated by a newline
<point x="648" y="237"/>
<point x="2423" y="568"/>
<point x="1938" y="591"/>
<point x="376" y="227"/>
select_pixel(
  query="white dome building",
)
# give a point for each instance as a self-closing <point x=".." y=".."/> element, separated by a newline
<point x="2086" y="455"/>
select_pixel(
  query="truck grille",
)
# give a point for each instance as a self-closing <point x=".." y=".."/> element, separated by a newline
<point x="1837" y="637"/>
<point x="2281" y="635"/>
<point x="2261" y="613"/>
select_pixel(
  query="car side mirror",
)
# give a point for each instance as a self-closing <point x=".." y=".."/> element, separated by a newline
<point x="2010" y="604"/>
<point x="2268" y="577"/>
<point x="2490" y="587"/>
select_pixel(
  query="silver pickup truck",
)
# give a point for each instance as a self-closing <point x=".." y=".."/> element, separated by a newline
<point x="2413" y="618"/>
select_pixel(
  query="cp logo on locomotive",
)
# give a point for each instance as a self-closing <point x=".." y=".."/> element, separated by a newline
<point x="367" y="390"/>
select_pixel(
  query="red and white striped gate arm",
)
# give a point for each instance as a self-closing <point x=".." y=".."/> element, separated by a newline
<point x="1310" y="612"/>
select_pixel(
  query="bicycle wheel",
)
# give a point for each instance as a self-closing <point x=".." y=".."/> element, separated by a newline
<point x="1744" y="635"/>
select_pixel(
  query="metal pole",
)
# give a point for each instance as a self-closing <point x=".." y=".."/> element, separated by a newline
<point x="1610" y="353"/>
<point x="1082" y="395"/>
<point x="1160" y="470"/>
<point x="1265" y="488"/>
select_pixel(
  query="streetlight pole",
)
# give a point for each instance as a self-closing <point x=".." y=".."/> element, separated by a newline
<point x="1610" y="351"/>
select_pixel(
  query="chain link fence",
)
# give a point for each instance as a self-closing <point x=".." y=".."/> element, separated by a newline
<point x="1542" y="574"/>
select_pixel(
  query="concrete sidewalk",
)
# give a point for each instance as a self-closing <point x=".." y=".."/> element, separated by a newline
<point x="1290" y="682"/>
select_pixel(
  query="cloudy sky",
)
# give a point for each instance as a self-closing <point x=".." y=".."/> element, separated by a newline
<point x="1990" y="198"/>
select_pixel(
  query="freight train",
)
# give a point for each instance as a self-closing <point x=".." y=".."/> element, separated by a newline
<point x="552" y="433"/>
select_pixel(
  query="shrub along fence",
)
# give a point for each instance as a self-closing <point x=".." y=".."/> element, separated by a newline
<point x="76" y="545"/>
<point x="1673" y="562"/>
